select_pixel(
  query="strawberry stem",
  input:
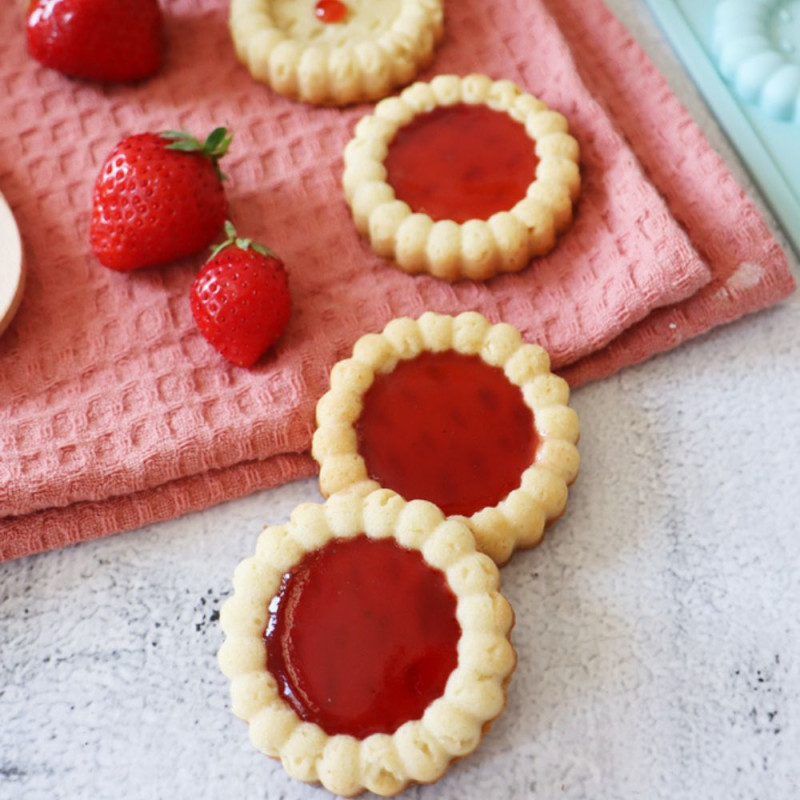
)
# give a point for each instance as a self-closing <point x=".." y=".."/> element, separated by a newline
<point x="213" y="148"/>
<point x="234" y="240"/>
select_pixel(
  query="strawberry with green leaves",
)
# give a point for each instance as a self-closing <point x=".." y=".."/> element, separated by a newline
<point x="158" y="198"/>
<point x="240" y="299"/>
<point x="102" y="40"/>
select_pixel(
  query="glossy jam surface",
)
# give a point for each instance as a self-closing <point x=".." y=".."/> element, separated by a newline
<point x="330" y="11"/>
<point x="447" y="428"/>
<point x="461" y="162"/>
<point x="362" y="636"/>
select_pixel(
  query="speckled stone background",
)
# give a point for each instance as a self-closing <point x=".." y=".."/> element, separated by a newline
<point x="656" y="625"/>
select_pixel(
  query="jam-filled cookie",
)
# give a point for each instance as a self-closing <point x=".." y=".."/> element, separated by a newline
<point x="367" y="643"/>
<point x="458" y="412"/>
<point x="335" y="52"/>
<point x="462" y="177"/>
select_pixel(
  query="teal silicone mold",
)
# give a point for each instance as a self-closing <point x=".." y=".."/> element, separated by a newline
<point x="767" y="144"/>
<point x="757" y="47"/>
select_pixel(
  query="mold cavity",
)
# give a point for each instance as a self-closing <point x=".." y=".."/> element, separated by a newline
<point x="784" y="29"/>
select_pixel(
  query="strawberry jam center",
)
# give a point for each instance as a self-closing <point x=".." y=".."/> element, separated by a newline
<point x="461" y="162"/>
<point x="447" y="428"/>
<point x="362" y="636"/>
<point x="330" y="10"/>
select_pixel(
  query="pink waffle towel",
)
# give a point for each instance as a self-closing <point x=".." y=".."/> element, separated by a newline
<point x="114" y="412"/>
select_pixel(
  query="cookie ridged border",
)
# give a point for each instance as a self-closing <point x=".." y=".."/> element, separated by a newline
<point x="476" y="249"/>
<point x="452" y="726"/>
<point x="519" y="520"/>
<point x="340" y="74"/>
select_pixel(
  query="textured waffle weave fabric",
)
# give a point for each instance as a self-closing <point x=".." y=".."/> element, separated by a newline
<point x="114" y="412"/>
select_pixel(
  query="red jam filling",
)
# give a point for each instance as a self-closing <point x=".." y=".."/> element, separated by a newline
<point x="330" y="10"/>
<point x="461" y="162"/>
<point x="362" y="636"/>
<point x="447" y="428"/>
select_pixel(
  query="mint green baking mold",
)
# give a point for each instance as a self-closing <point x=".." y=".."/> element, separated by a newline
<point x="757" y="48"/>
<point x="742" y="55"/>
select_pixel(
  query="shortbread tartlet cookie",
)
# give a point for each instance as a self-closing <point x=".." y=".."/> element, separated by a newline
<point x="367" y="643"/>
<point x="335" y="52"/>
<point x="458" y="412"/>
<point x="462" y="177"/>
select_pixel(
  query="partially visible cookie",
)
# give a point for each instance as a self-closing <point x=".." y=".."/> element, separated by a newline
<point x="458" y="412"/>
<point x="367" y="643"/>
<point x="335" y="52"/>
<point x="462" y="177"/>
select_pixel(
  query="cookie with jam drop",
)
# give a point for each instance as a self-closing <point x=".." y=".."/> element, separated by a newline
<point x="458" y="412"/>
<point x="335" y="52"/>
<point x="462" y="177"/>
<point x="367" y="643"/>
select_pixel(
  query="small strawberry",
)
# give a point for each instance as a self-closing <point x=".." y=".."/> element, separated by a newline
<point x="103" y="40"/>
<point x="240" y="299"/>
<point x="158" y="198"/>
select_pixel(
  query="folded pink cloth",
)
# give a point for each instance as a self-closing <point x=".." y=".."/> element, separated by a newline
<point x="114" y="412"/>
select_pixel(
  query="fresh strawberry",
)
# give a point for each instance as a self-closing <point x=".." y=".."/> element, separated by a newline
<point x="240" y="299"/>
<point x="103" y="40"/>
<point x="158" y="198"/>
